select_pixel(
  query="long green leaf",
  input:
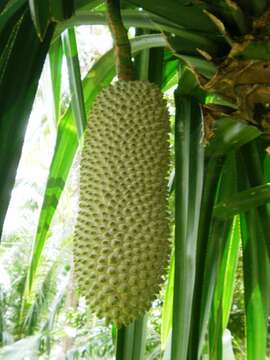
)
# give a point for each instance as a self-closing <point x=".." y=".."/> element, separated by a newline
<point x="170" y="74"/>
<point x="254" y="154"/>
<point x="75" y="84"/>
<point x="255" y="236"/>
<point x="66" y="145"/>
<point x="125" y="340"/>
<point x="89" y="4"/>
<point x="183" y="41"/>
<point x="243" y="201"/>
<point x="230" y="134"/>
<point x="10" y="11"/>
<point x="266" y="166"/>
<point x="228" y="269"/>
<point x="221" y="231"/>
<point x="226" y="276"/>
<point x="181" y="314"/>
<point x="45" y="11"/>
<point x="256" y="279"/>
<point x="56" y="58"/>
<point x="257" y="50"/>
<point x="141" y="63"/>
<point x="166" y="321"/>
<point x="131" y="340"/>
<point x="213" y="168"/>
<point x="231" y="14"/>
<point x="189" y="43"/>
<point x="178" y="14"/>
<point x="61" y="9"/>
<point x="213" y="252"/>
<point x="22" y="57"/>
<point x="40" y="12"/>
<point x="257" y="6"/>
<point x="140" y="328"/>
<point x="222" y="300"/>
<point x="203" y="67"/>
<point x="188" y="189"/>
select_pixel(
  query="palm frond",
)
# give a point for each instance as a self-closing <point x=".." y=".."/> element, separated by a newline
<point x="22" y="57"/>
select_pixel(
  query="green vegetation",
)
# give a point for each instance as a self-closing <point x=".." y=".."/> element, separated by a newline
<point x="212" y="61"/>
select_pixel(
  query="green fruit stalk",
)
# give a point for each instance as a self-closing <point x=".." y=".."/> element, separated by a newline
<point x="121" y="243"/>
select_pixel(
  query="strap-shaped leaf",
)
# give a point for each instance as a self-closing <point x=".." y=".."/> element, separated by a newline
<point x="45" y="11"/>
<point x="178" y="14"/>
<point x="124" y="346"/>
<point x="9" y="12"/>
<point x="66" y="145"/>
<point x="188" y="43"/>
<point x="222" y="300"/>
<point x="255" y="228"/>
<point x="40" y="12"/>
<point x="189" y="171"/>
<point x="166" y="322"/>
<point x="75" y="84"/>
<point x="22" y="58"/>
<point x="211" y="256"/>
<point x="183" y="41"/>
<point x="56" y="58"/>
<point x="259" y="50"/>
<point x="212" y="171"/>
<point x="230" y="134"/>
<point x="87" y="3"/>
<point x="61" y="9"/>
<point x="257" y="6"/>
<point x="203" y="67"/>
<point x="230" y="13"/>
<point x="256" y="280"/>
<point x="243" y="201"/>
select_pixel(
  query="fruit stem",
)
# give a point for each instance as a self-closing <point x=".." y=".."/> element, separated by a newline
<point x="124" y="66"/>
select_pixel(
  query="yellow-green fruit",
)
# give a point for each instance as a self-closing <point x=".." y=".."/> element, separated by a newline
<point x="121" y="242"/>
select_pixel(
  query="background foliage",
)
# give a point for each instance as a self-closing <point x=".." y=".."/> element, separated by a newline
<point x="218" y="279"/>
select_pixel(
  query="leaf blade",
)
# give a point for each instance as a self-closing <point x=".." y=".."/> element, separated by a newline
<point x="25" y="60"/>
<point x="56" y="59"/>
<point x="243" y="201"/>
<point x="77" y="100"/>
<point x="178" y="14"/>
<point x="188" y="192"/>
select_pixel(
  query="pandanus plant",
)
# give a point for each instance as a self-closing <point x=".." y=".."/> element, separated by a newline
<point x="218" y="53"/>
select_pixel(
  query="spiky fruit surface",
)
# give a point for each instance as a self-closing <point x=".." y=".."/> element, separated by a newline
<point x="121" y="241"/>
